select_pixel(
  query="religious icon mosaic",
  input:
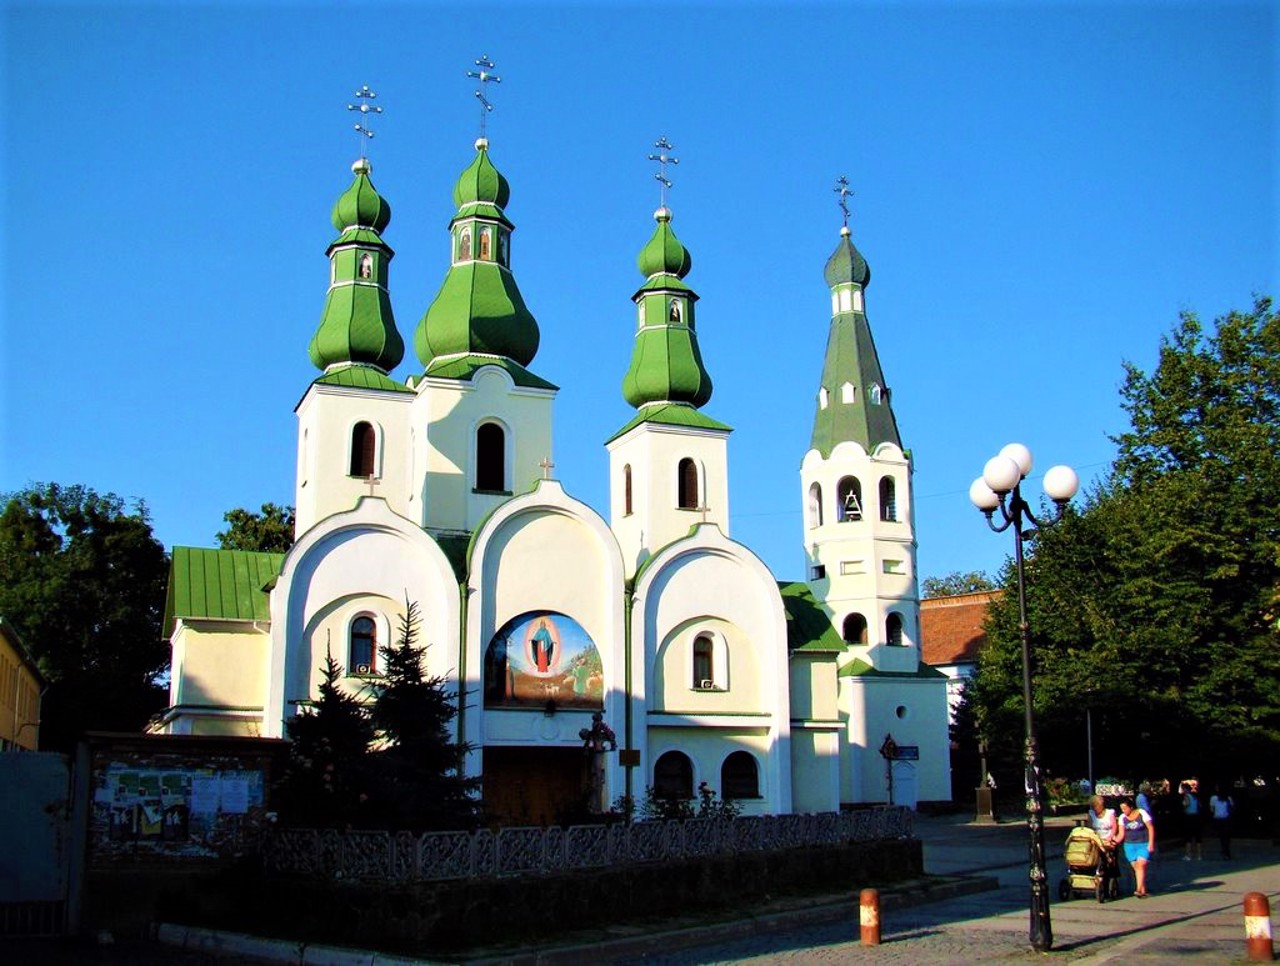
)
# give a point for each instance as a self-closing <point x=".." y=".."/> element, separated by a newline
<point x="539" y="657"/>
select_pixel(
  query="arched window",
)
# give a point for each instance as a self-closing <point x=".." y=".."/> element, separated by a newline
<point x="626" y="490"/>
<point x="491" y="458"/>
<point x="366" y="265"/>
<point x="674" y="314"/>
<point x="888" y="499"/>
<point x="815" y="506"/>
<point x="688" y="473"/>
<point x="485" y="243"/>
<point x="504" y="256"/>
<point x="363" y="651"/>
<point x="464" y="245"/>
<point x="875" y="393"/>
<point x="893" y="630"/>
<point x="364" y="443"/>
<point x="849" y="499"/>
<point x="855" y="629"/>
<point x="739" y="776"/>
<point x="673" y="776"/>
<point x="703" y="664"/>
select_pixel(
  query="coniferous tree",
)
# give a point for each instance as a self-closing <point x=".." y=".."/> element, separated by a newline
<point x="418" y="764"/>
<point x="328" y="777"/>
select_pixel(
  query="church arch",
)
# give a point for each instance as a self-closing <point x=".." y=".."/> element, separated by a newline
<point x="491" y="458"/>
<point x="849" y="499"/>
<point x="888" y="499"/>
<point x="893" y="630"/>
<point x="854" y="630"/>
<point x="362" y="645"/>
<point x="687" y="483"/>
<point x="673" y="776"/>
<point x="363" y="461"/>
<point x="739" y="776"/>
<point x="815" y="505"/>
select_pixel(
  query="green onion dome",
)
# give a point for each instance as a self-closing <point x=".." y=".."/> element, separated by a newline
<point x="479" y="309"/>
<point x="846" y="263"/>
<point x="666" y="364"/>
<point x="481" y="182"/>
<point x="357" y="325"/>
<point x="361" y="205"/>
<point x="664" y="255"/>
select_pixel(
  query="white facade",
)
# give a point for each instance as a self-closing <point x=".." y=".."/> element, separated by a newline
<point x="538" y="612"/>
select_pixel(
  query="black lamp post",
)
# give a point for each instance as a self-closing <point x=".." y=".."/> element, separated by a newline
<point x="1000" y="488"/>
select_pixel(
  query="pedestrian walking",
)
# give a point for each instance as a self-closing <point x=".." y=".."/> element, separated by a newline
<point x="1221" y="806"/>
<point x="1192" y="823"/>
<point x="1137" y="833"/>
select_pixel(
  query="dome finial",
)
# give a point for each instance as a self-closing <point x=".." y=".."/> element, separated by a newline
<point x="362" y="129"/>
<point x="485" y="76"/>
<point x="663" y="159"/>
<point x="843" y="190"/>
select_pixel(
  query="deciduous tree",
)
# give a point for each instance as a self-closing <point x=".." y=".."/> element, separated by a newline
<point x="1154" y="603"/>
<point x="268" y="531"/>
<point x="82" y="578"/>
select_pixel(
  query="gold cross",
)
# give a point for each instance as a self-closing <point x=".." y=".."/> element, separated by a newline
<point x="546" y="465"/>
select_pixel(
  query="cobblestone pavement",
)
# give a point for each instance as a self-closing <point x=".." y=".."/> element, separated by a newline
<point x="1193" y="915"/>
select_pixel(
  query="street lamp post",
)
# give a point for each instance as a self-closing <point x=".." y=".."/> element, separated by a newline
<point x="1000" y="488"/>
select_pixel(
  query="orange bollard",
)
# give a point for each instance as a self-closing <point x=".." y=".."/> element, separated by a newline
<point x="1257" y="927"/>
<point x="869" y="916"/>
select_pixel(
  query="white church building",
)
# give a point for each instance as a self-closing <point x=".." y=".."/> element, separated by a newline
<point x="538" y="610"/>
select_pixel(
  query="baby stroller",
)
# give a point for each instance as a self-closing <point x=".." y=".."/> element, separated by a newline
<point x="1091" y="868"/>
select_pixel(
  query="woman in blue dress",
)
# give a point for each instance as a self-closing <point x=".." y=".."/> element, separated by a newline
<point x="1138" y="836"/>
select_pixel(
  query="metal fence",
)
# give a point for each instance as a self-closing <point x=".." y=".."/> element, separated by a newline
<point x="437" y="856"/>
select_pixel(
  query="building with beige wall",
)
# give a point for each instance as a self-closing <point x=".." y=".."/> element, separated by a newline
<point x="21" y="687"/>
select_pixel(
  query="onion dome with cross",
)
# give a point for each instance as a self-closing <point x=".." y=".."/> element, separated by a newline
<point x="357" y="325"/>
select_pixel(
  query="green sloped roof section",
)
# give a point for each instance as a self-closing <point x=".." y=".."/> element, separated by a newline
<point x="361" y="204"/>
<point x="361" y="377"/>
<point x="357" y="325"/>
<point x="481" y="181"/>
<point x="846" y="264"/>
<point x="851" y="358"/>
<point x="219" y="585"/>
<point x="464" y="367"/>
<point x="808" y="625"/>
<point x="665" y="283"/>
<point x="479" y="309"/>
<point x="666" y="365"/>
<point x="671" y="414"/>
<point x="859" y="668"/>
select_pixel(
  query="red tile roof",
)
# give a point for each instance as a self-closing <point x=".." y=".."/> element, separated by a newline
<point x="951" y="627"/>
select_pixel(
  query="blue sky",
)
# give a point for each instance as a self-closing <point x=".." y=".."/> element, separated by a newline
<point x="1039" y="190"/>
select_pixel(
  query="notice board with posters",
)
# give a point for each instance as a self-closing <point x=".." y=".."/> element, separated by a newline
<point x="178" y="796"/>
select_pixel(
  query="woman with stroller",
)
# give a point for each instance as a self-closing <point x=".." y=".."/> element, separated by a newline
<point x="1137" y="833"/>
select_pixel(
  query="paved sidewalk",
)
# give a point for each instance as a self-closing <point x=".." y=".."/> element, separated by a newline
<point x="1194" y="914"/>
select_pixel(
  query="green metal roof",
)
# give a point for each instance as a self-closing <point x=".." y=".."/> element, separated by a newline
<point x="859" y="668"/>
<point x="361" y="377"/>
<point x="851" y="359"/>
<point x="463" y="367"/>
<point x="808" y="625"/>
<point x="671" y="414"/>
<point x="219" y="585"/>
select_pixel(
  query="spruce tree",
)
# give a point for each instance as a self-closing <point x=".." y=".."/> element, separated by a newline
<point x="327" y="781"/>
<point x="420" y="785"/>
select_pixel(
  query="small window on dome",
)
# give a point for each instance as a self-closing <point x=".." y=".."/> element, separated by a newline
<point x="675" y="314"/>
<point x="846" y="300"/>
<point x="846" y="393"/>
<point x="835" y="303"/>
<point x="504" y="249"/>
<point x="857" y="300"/>
<point x="875" y="393"/>
<point x="366" y="265"/>
<point x="822" y="398"/>
<point x="486" y="240"/>
<point x="464" y="245"/>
